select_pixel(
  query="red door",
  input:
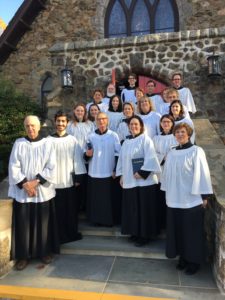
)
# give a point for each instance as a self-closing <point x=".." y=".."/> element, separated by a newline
<point x="142" y="81"/>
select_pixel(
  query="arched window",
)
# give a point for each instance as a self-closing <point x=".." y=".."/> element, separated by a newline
<point x="139" y="17"/>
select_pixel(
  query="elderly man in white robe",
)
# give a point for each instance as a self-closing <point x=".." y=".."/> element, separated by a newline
<point x="103" y="202"/>
<point x="31" y="176"/>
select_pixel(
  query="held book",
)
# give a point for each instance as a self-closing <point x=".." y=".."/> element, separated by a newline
<point x="137" y="163"/>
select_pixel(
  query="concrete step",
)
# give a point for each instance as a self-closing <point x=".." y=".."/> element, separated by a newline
<point x="90" y="230"/>
<point x="115" y="246"/>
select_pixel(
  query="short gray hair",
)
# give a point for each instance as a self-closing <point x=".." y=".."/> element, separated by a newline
<point x="35" y="118"/>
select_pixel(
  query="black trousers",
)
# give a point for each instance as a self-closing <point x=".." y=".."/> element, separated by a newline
<point x="34" y="230"/>
<point x="67" y="208"/>
<point x="185" y="234"/>
<point x="139" y="211"/>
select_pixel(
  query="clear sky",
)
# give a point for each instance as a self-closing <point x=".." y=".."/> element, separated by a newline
<point x="8" y="8"/>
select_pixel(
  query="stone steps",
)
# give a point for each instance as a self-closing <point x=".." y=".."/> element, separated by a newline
<point x="108" y="241"/>
<point x="114" y="246"/>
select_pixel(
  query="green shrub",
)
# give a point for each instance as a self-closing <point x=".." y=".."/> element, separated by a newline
<point x="14" y="106"/>
<point x="4" y="160"/>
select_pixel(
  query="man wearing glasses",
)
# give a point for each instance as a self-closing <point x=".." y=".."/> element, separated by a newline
<point x="184" y="92"/>
<point x="128" y="94"/>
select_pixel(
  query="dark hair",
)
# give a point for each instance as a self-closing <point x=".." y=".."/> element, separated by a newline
<point x="152" y="82"/>
<point x="183" y="125"/>
<point x="181" y="114"/>
<point x="140" y="121"/>
<point x="89" y="115"/>
<point x="120" y="106"/>
<point x="61" y="113"/>
<point x="111" y="83"/>
<point x="167" y="116"/>
<point x="133" y="75"/>
<point x="98" y="90"/>
<point x="85" y="112"/>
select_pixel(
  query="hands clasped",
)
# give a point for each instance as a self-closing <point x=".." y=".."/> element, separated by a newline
<point x="31" y="187"/>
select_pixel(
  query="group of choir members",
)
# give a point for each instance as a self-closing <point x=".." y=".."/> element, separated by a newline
<point x="122" y="161"/>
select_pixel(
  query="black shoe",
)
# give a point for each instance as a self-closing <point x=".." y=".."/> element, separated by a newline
<point x="132" y="238"/>
<point x="78" y="237"/>
<point x="192" y="268"/>
<point x="182" y="264"/>
<point x="141" y="242"/>
<point x="47" y="259"/>
<point x="21" y="264"/>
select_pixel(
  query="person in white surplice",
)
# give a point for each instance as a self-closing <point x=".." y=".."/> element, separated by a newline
<point x="70" y="172"/>
<point x="185" y="94"/>
<point x="103" y="148"/>
<point x="137" y="167"/>
<point x="31" y="177"/>
<point x="187" y="184"/>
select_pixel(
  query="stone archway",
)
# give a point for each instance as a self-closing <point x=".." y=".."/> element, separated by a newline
<point x="143" y="75"/>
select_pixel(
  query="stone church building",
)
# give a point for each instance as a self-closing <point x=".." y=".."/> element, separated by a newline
<point x="98" y="39"/>
<point x="103" y="40"/>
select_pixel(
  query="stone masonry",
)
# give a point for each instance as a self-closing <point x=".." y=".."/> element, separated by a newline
<point x="207" y="138"/>
<point x="78" y="26"/>
<point x="72" y="32"/>
<point x="157" y="55"/>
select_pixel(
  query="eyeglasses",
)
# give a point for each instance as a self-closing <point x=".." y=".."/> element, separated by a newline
<point x="99" y="119"/>
<point x="131" y="78"/>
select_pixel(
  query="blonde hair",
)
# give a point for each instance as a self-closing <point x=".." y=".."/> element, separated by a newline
<point x="152" y="108"/>
<point x="172" y="90"/>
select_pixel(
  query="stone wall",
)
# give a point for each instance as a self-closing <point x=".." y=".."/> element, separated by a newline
<point x="205" y="14"/>
<point x="5" y="235"/>
<point x="156" y="55"/>
<point x="208" y="139"/>
<point x="73" y="31"/>
<point x="78" y="20"/>
<point x="61" y="21"/>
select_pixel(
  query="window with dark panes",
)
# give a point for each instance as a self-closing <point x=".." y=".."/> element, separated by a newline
<point x="138" y="17"/>
<point x="117" y="21"/>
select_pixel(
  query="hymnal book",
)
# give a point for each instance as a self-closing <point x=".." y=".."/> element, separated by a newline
<point x="89" y="146"/>
<point x="137" y="163"/>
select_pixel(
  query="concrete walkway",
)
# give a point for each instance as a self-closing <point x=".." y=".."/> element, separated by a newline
<point x="105" y="275"/>
<point x="105" y="266"/>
